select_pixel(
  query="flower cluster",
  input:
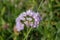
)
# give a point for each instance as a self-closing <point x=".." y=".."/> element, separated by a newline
<point x="28" y="18"/>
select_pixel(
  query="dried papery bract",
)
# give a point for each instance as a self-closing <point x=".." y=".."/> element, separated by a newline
<point x="16" y="33"/>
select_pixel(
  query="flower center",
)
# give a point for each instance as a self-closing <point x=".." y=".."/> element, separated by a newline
<point x="28" y="21"/>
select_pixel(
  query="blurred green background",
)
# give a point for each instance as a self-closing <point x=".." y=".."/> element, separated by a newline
<point x="49" y="28"/>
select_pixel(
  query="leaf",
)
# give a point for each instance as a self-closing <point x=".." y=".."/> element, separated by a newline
<point x="2" y="11"/>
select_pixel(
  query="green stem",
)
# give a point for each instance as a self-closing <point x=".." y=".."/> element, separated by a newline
<point x="40" y="5"/>
<point x="15" y="36"/>
<point x="27" y="34"/>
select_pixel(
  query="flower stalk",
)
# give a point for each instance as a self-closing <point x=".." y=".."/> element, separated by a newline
<point x="27" y="34"/>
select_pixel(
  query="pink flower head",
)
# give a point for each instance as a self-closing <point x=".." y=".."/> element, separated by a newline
<point x="29" y="18"/>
